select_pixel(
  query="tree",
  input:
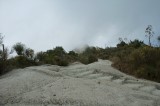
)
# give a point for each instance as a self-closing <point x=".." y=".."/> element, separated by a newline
<point x="136" y="43"/>
<point x="90" y="50"/>
<point x="1" y="38"/>
<point x="158" y="38"/>
<point x="72" y="53"/>
<point x="122" y="42"/>
<point x="3" y="56"/>
<point x="149" y="33"/>
<point x="19" y="48"/>
<point x="29" y="53"/>
<point x="2" y="52"/>
<point x="59" y="51"/>
<point x="40" y="56"/>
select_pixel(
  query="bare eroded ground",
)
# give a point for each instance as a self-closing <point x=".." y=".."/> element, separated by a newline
<point x="97" y="84"/>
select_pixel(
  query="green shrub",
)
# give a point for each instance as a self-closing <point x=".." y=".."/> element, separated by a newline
<point x="143" y="62"/>
<point x="145" y="55"/>
<point x="72" y="56"/>
<point x="92" y="59"/>
<point x="61" y="61"/>
<point x="40" y="56"/>
<point x="72" y="53"/>
<point x="83" y="59"/>
<point x="121" y="44"/>
<point x="136" y="43"/>
<point x="2" y="67"/>
<point x="22" y="61"/>
<point x="59" y="51"/>
<point x="49" y="60"/>
<point x="3" y="61"/>
<point x="87" y="59"/>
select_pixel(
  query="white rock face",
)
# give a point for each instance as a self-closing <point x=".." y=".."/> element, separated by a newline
<point x="96" y="84"/>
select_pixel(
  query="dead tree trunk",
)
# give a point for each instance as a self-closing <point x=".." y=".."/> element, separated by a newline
<point x="3" y="54"/>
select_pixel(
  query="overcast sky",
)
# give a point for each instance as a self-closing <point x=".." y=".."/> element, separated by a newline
<point x="44" y="24"/>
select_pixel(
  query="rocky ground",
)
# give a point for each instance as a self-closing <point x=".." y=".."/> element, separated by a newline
<point x="96" y="84"/>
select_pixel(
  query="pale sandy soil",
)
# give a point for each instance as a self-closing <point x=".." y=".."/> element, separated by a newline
<point x="96" y="84"/>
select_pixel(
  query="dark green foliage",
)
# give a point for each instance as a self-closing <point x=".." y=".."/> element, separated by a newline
<point x="16" y="62"/>
<point x="135" y="58"/>
<point x="57" y="56"/>
<point x="72" y="56"/>
<point x="2" y="67"/>
<point x="3" y="56"/>
<point x="3" y="61"/>
<point x="29" y="53"/>
<point x="143" y="62"/>
<point x="158" y="38"/>
<point x="83" y="59"/>
<point x="24" y="58"/>
<point x="147" y="55"/>
<point x="24" y="62"/>
<point x="90" y="50"/>
<point x="89" y="55"/>
<point x="72" y="53"/>
<point x="59" y="51"/>
<point x="40" y="56"/>
<point x="121" y="44"/>
<point x="19" y="48"/>
<point x="136" y="43"/>
<point x="61" y="61"/>
<point x="92" y="59"/>
<point x="148" y="59"/>
<point x="20" y="62"/>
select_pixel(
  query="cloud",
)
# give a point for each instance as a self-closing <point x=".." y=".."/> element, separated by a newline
<point x="44" y="24"/>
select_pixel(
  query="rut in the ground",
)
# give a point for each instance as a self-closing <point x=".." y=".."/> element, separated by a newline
<point x="97" y="74"/>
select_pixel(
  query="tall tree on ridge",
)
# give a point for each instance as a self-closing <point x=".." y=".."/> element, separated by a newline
<point x="149" y="33"/>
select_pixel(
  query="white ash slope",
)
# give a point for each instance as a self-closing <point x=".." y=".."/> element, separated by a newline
<point x="96" y="84"/>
